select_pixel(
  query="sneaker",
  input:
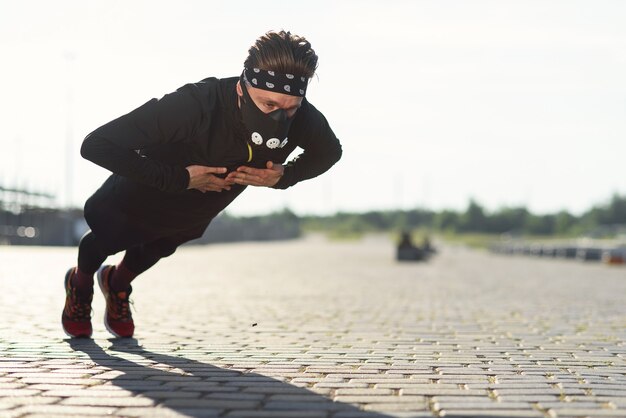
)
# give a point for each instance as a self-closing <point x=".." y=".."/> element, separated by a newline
<point x="76" y="318"/>
<point x="117" y="316"/>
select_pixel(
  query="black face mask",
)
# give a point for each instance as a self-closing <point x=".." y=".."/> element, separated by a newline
<point x="265" y="129"/>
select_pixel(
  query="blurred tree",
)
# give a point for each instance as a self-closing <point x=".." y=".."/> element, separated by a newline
<point x="540" y="224"/>
<point x="564" y="222"/>
<point x="474" y="219"/>
<point x="447" y="220"/>
<point x="507" y="220"/>
<point x="617" y="210"/>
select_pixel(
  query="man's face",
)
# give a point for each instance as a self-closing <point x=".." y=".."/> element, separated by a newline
<point x="268" y="101"/>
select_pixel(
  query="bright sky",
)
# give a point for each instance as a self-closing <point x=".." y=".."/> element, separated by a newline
<point x="435" y="102"/>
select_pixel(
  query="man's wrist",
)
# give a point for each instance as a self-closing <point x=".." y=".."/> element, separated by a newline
<point x="282" y="182"/>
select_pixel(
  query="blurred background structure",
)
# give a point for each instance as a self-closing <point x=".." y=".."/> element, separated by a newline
<point x="32" y="218"/>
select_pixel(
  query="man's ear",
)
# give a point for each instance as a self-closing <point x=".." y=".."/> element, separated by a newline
<point x="239" y="91"/>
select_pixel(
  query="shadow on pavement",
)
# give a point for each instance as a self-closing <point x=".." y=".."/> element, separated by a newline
<point x="198" y="389"/>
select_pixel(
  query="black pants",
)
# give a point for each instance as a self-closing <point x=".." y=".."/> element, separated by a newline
<point x="139" y="256"/>
<point x="113" y="230"/>
<point x="147" y="224"/>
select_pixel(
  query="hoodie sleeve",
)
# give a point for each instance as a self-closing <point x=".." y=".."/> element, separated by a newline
<point x="321" y="150"/>
<point x="173" y="118"/>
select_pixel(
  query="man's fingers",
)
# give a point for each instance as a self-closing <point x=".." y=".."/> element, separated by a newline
<point x="245" y="178"/>
<point x="250" y="176"/>
<point x="244" y="175"/>
<point x="271" y="167"/>
<point x="199" y="170"/>
<point x="250" y="170"/>
<point x="214" y="170"/>
<point x="211" y="183"/>
<point x="211" y="179"/>
<point x="254" y="174"/>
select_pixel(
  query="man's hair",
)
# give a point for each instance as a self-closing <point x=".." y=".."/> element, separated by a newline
<point x="284" y="53"/>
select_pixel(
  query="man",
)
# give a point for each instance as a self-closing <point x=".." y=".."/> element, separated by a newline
<point x="180" y="160"/>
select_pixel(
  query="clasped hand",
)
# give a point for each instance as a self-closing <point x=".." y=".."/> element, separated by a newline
<point x="204" y="178"/>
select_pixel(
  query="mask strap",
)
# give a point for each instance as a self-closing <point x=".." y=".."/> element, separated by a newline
<point x="244" y="88"/>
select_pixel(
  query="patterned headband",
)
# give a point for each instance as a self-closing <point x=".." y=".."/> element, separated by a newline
<point x="290" y="84"/>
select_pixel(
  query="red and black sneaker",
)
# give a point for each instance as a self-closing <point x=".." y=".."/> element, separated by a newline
<point x="76" y="318"/>
<point x="117" y="316"/>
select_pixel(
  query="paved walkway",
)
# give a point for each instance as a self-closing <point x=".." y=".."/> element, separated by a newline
<point x="318" y="329"/>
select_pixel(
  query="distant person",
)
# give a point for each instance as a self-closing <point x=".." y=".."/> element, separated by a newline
<point x="427" y="246"/>
<point x="179" y="161"/>
<point x="405" y="240"/>
<point x="406" y="250"/>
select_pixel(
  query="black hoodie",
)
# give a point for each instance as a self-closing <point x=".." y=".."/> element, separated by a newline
<point x="200" y="123"/>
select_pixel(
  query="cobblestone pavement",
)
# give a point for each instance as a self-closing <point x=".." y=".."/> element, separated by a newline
<point x="321" y="329"/>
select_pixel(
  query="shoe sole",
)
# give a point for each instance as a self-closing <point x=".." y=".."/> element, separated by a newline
<point x="99" y="275"/>
<point x="65" y="285"/>
<point x="76" y="336"/>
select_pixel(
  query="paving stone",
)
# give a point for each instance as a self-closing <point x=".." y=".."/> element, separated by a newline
<point x="570" y="404"/>
<point x="127" y="385"/>
<point x="200" y="386"/>
<point x="374" y="414"/>
<point x="13" y="385"/>
<point x="278" y="414"/>
<point x="337" y="385"/>
<point x="66" y="392"/>
<point x="609" y="392"/>
<point x="5" y="405"/>
<point x="487" y="406"/>
<point x="160" y="412"/>
<point x="541" y="391"/>
<point x="53" y="416"/>
<point x="65" y="410"/>
<point x="582" y="412"/>
<point x="59" y="381"/>
<point x="528" y="398"/>
<point x="316" y="380"/>
<point x="467" y="333"/>
<point x="14" y="413"/>
<point x="436" y="391"/>
<point x="392" y="408"/>
<point x="236" y="396"/>
<point x="365" y="391"/>
<point x="462" y="398"/>
<point x="297" y="398"/>
<point x="305" y="406"/>
<point x="380" y="399"/>
<point x="210" y="403"/>
<point x="14" y="401"/>
<point x="18" y="392"/>
<point x="477" y="413"/>
<point x="108" y="401"/>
